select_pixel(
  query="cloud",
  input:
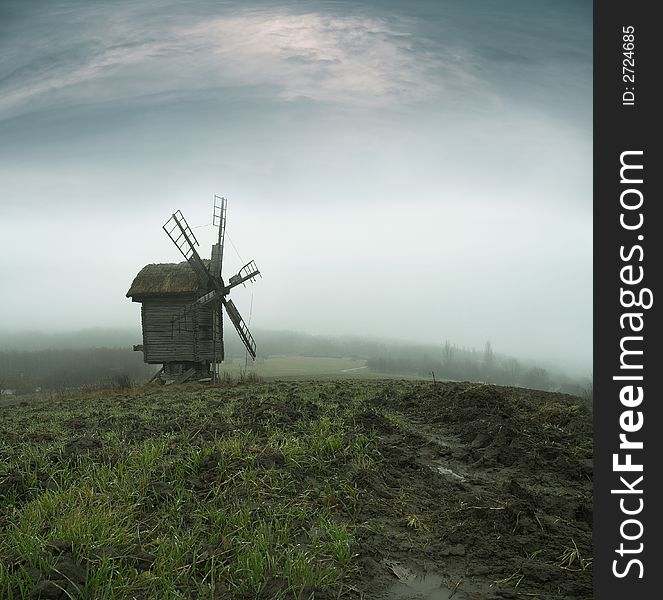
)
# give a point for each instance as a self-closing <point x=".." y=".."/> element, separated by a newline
<point x="346" y="60"/>
<point x="356" y="60"/>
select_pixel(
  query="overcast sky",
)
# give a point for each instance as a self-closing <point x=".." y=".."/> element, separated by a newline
<point x="412" y="170"/>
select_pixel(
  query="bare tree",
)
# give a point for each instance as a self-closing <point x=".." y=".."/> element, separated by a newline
<point x="488" y="355"/>
<point x="513" y="370"/>
<point x="448" y="352"/>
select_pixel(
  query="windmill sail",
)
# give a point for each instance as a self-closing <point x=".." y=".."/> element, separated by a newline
<point x="207" y="298"/>
<point x="248" y="272"/>
<point x="180" y="233"/>
<point x="241" y="327"/>
<point x="219" y="220"/>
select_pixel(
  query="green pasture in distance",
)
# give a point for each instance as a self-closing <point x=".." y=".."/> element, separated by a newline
<point x="298" y="366"/>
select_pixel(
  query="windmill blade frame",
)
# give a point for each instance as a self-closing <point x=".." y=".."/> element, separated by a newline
<point x="218" y="220"/>
<point x="207" y="298"/>
<point x="240" y="326"/>
<point x="248" y="272"/>
<point x="180" y="233"/>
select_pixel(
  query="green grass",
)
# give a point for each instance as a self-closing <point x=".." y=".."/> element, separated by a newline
<point x="235" y="512"/>
<point x="303" y="367"/>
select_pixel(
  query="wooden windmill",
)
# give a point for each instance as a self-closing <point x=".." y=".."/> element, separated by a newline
<point x="183" y="304"/>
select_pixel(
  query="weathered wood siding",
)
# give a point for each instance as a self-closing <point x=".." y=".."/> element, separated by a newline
<point x="204" y="333"/>
<point x="164" y="342"/>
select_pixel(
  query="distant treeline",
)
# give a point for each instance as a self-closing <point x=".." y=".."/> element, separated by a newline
<point x="452" y="362"/>
<point x="25" y="372"/>
<point x="446" y="361"/>
<point x="93" y="337"/>
<point x="104" y="356"/>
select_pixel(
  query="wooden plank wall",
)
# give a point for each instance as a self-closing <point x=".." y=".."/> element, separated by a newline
<point x="163" y="342"/>
<point x="204" y="336"/>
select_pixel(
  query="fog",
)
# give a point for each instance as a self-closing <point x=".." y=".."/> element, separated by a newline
<point x="414" y="171"/>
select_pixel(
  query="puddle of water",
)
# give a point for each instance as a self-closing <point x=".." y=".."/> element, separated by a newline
<point x="424" y="587"/>
<point x="448" y="472"/>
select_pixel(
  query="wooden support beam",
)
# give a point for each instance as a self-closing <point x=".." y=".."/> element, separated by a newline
<point x="156" y="375"/>
<point x="184" y="376"/>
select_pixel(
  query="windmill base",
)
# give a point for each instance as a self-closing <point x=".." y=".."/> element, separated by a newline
<point x="181" y="372"/>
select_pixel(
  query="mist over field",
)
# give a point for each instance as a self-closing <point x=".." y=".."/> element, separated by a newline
<point x="41" y="361"/>
<point x="417" y="172"/>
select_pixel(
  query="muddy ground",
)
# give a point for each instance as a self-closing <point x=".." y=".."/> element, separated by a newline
<point x="510" y="503"/>
<point x="473" y="491"/>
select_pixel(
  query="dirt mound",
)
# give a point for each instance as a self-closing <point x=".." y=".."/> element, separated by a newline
<point x="504" y="426"/>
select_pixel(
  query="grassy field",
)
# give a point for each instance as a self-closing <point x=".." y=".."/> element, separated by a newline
<point x="292" y="489"/>
<point x="170" y="506"/>
<point x="296" y="366"/>
<point x="302" y="367"/>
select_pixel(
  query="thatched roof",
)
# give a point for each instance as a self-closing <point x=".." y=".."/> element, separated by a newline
<point x="165" y="278"/>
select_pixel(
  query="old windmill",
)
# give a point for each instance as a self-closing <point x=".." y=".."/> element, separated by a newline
<point x="182" y="305"/>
